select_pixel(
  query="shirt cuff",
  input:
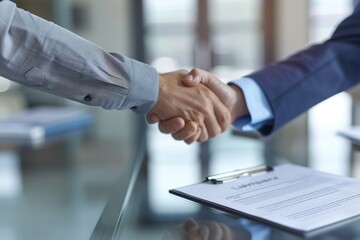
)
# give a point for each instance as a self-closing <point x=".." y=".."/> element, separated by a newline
<point x="260" y="113"/>
<point x="144" y="88"/>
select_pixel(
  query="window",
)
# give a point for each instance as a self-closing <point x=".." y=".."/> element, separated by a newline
<point x="324" y="16"/>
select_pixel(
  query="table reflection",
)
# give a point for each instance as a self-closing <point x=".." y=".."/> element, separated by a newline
<point x="206" y="230"/>
<point x="243" y="229"/>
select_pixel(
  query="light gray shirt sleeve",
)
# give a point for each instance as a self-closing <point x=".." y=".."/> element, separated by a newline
<point x="45" y="56"/>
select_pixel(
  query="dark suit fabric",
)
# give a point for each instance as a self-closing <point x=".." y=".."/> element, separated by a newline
<point x="310" y="76"/>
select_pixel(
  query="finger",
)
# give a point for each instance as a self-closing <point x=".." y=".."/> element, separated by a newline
<point x="223" y="116"/>
<point x="152" y="118"/>
<point x="211" y="123"/>
<point x="193" y="138"/>
<point x="204" y="136"/>
<point x="200" y="76"/>
<point x="193" y="78"/>
<point x="172" y="125"/>
<point x="189" y="130"/>
<point x="220" y="89"/>
<point x="212" y="127"/>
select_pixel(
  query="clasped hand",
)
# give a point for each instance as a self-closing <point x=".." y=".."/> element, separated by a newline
<point x="195" y="106"/>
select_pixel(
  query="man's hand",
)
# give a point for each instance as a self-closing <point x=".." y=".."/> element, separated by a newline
<point x="203" y="114"/>
<point x="231" y="96"/>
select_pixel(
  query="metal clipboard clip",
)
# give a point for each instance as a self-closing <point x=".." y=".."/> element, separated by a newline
<point x="233" y="175"/>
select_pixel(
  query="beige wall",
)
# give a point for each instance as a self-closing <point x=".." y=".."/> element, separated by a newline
<point x="292" y="22"/>
<point x="291" y="35"/>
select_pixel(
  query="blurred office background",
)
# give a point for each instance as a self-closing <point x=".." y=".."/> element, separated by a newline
<point x="66" y="183"/>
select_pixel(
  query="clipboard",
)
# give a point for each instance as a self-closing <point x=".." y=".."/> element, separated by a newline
<point x="292" y="198"/>
<point x="352" y="134"/>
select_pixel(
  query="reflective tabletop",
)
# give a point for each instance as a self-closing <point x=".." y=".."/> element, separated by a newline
<point x="144" y="216"/>
<point x="58" y="190"/>
<point x="85" y="187"/>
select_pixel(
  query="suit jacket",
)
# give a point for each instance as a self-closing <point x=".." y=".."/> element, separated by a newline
<point x="45" y="56"/>
<point x="310" y="76"/>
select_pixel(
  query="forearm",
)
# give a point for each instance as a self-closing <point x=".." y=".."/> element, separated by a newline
<point x="45" y="56"/>
<point x="312" y="75"/>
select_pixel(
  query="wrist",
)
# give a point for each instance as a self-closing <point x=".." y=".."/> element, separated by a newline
<point x="160" y="93"/>
<point x="238" y="107"/>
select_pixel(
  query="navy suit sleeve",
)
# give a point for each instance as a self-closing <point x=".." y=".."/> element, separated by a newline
<point x="312" y="75"/>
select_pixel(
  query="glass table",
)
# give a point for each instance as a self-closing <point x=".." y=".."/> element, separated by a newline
<point x="66" y="190"/>
<point x="57" y="190"/>
<point x="132" y="215"/>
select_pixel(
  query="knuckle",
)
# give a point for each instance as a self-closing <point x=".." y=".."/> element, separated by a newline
<point x="199" y="118"/>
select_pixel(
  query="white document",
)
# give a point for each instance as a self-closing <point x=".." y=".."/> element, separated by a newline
<point x="291" y="197"/>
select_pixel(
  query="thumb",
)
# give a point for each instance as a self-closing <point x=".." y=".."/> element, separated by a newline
<point x="191" y="79"/>
<point x="197" y="76"/>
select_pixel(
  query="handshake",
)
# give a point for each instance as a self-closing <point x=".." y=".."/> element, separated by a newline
<point x="195" y="106"/>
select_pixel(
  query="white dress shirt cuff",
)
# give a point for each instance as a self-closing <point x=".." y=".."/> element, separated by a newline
<point x="144" y="88"/>
<point x="258" y="106"/>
